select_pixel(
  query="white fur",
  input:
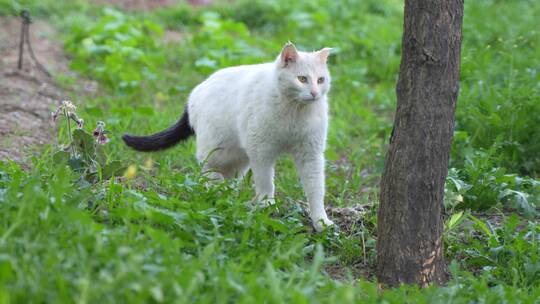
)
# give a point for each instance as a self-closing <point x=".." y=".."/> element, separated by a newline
<point x="246" y="116"/>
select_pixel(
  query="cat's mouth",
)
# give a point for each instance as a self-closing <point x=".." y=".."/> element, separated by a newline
<point x="309" y="99"/>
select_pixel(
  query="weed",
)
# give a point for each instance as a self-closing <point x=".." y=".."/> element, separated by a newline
<point x="120" y="51"/>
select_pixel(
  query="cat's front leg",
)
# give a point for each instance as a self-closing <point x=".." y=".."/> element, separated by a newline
<point x="310" y="167"/>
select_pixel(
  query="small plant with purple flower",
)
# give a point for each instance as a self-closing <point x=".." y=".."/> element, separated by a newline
<point x="84" y="152"/>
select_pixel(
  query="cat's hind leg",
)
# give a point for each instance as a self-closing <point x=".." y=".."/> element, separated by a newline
<point x="224" y="163"/>
<point x="235" y="167"/>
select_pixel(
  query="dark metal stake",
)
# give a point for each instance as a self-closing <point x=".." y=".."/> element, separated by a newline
<point x="24" y="13"/>
<point x="25" y="37"/>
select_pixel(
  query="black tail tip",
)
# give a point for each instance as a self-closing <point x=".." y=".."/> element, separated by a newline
<point x="126" y="138"/>
<point x="165" y="139"/>
<point x="130" y="141"/>
<point x="144" y="143"/>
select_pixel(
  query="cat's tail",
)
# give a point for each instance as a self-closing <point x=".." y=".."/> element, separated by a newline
<point x="164" y="139"/>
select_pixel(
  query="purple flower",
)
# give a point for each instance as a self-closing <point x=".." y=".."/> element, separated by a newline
<point x="100" y="134"/>
<point x="77" y="120"/>
<point x="102" y="139"/>
<point x="55" y="114"/>
<point x="80" y="123"/>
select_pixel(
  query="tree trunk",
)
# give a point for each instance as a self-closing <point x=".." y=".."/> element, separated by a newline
<point x="410" y="224"/>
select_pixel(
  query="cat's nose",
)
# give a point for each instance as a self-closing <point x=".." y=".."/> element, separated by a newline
<point x="314" y="94"/>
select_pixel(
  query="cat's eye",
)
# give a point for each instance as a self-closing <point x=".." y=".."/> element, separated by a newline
<point x="302" y="79"/>
<point x="320" y="80"/>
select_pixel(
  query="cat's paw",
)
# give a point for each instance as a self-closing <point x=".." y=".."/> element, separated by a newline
<point x="261" y="203"/>
<point x="266" y="202"/>
<point x="321" y="223"/>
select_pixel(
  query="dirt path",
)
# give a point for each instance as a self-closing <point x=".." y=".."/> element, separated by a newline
<point x="27" y="96"/>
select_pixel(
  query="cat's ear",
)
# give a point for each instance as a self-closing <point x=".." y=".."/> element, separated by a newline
<point x="323" y="54"/>
<point x="289" y="54"/>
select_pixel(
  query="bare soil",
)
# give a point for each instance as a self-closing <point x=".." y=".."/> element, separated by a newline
<point x="27" y="96"/>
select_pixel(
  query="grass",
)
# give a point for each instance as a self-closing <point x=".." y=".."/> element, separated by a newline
<point x="160" y="233"/>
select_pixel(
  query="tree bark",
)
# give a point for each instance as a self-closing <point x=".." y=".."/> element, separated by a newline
<point x="410" y="223"/>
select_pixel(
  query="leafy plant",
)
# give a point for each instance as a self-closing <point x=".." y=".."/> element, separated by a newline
<point x="120" y="51"/>
<point x="496" y="100"/>
<point x="481" y="185"/>
<point x="222" y="43"/>
<point x="507" y="254"/>
<point x="83" y="151"/>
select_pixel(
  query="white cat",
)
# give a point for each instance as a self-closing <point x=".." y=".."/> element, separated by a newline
<point x="246" y="116"/>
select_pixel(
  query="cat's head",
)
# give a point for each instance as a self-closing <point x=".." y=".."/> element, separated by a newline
<point x="303" y="76"/>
